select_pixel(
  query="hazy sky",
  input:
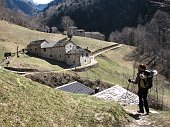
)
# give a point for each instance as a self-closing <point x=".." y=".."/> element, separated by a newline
<point x="42" y="1"/>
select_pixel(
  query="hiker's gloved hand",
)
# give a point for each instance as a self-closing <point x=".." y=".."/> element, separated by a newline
<point x="130" y="80"/>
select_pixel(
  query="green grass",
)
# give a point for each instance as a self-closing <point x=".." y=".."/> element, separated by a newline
<point x="26" y="103"/>
<point x="108" y="71"/>
<point x="92" y="44"/>
<point x="25" y="61"/>
<point x="112" y="68"/>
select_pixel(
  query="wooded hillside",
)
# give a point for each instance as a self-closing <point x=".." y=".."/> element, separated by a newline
<point x="152" y="40"/>
<point x="99" y="15"/>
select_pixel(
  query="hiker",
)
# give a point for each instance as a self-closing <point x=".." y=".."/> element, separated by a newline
<point x="142" y="90"/>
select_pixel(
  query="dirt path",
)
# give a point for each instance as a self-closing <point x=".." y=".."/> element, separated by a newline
<point x="140" y="120"/>
<point x="129" y="102"/>
<point x="105" y="49"/>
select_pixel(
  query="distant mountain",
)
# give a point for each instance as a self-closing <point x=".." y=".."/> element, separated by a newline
<point x="53" y="3"/>
<point x="25" y="6"/>
<point x="99" y="15"/>
<point x="41" y="7"/>
<point x="11" y="13"/>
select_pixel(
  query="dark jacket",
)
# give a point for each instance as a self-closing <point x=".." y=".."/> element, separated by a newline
<point x="140" y="80"/>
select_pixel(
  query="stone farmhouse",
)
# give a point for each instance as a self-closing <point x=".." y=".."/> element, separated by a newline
<point x="80" y="32"/>
<point x="64" y="50"/>
<point x="34" y="47"/>
<point x="78" y="57"/>
<point x="95" y="35"/>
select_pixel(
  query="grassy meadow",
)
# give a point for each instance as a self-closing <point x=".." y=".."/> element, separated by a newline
<point x="12" y="36"/>
<point x="112" y="67"/>
<point x="91" y="44"/>
<point x="30" y="62"/>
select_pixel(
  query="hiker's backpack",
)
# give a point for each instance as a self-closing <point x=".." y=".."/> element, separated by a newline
<point x="148" y="81"/>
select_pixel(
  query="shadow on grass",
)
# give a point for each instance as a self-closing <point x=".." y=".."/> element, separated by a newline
<point x="52" y="62"/>
<point x="135" y="116"/>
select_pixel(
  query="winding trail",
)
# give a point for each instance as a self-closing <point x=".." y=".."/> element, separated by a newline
<point x="105" y="49"/>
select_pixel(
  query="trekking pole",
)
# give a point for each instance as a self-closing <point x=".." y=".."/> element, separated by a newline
<point x="133" y="76"/>
<point x="127" y="90"/>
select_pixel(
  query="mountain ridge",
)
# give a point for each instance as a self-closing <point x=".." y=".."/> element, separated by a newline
<point x="25" y="6"/>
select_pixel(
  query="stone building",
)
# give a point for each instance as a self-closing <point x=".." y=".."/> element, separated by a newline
<point x="78" y="57"/>
<point x="88" y="34"/>
<point x="54" y="30"/>
<point x="95" y="35"/>
<point x="80" y="32"/>
<point x="34" y="47"/>
<point x="71" y="30"/>
<point x="46" y="49"/>
<point x="63" y="50"/>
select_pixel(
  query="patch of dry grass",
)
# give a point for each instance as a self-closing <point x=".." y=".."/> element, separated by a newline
<point x="13" y="36"/>
<point x="162" y="119"/>
<point x="91" y="44"/>
<point x="25" y="61"/>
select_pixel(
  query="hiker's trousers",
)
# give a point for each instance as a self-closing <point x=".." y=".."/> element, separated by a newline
<point x="142" y="93"/>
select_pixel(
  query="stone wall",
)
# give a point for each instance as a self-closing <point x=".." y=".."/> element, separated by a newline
<point x="58" y="53"/>
<point x="35" y="50"/>
<point x="46" y="53"/>
<point x="73" y="59"/>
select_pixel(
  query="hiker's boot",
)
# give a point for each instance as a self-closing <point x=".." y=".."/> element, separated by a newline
<point x="147" y="113"/>
<point x="139" y="111"/>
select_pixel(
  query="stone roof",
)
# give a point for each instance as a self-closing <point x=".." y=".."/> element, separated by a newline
<point x="80" y="30"/>
<point x="78" y="51"/>
<point x="63" y="42"/>
<point x="37" y="42"/>
<point x="76" y="87"/>
<point x="48" y="44"/>
<point x="51" y="44"/>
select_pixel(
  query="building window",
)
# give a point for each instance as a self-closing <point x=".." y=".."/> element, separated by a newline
<point x="87" y="54"/>
<point x="45" y="50"/>
<point x="85" y="61"/>
<point x="68" y="56"/>
<point x="50" y="55"/>
<point x="60" y="56"/>
<point x="35" y="49"/>
<point x="73" y="62"/>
